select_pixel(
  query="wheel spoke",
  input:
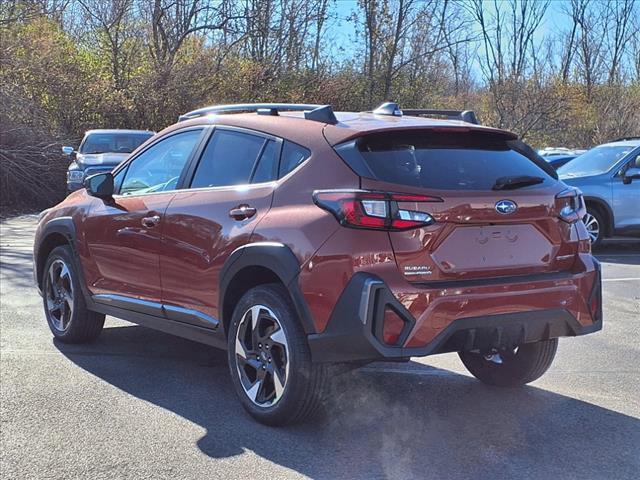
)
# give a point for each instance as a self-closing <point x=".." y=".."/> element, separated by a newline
<point x="64" y="272"/>
<point x="240" y="350"/>
<point x="255" y="320"/>
<point x="252" y="392"/>
<point x="52" y="277"/>
<point x="64" y="309"/>
<point x="278" y="382"/>
<point x="67" y="297"/>
<point x="278" y="336"/>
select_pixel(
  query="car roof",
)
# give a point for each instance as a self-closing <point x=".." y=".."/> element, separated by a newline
<point x="117" y="130"/>
<point x="632" y="142"/>
<point x="350" y="125"/>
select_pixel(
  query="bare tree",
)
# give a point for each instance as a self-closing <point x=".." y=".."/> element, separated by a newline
<point x="618" y="32"/>
<point x="173" y="21"/>
<point x="510" y="61"/>
<point x="112" y="23"/>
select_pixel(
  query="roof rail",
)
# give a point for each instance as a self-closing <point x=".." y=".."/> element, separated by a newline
<point x="318" y="113"/>
<point x="392" y="108"/>
<point x="624" y="139"/>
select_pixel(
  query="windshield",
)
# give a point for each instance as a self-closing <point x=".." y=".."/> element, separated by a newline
<point x="113" y="142"/>
<point x="594" y="162"/>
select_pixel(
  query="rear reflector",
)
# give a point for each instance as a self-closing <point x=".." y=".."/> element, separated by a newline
<point x="374" y="210"/>
<point x="392" y="327"/>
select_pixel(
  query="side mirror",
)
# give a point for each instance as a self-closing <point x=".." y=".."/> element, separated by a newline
<point x="100" y="185"/>
<point x="631" y="174"/>
<point x="69" y="152"/>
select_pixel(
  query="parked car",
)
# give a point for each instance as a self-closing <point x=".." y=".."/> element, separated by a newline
<point x="100" y="151"/>
<point x="609" y="178"/>
<point x="556" y="161"/>
<point x="559" y="151"/>
<point x="297" y="238"/>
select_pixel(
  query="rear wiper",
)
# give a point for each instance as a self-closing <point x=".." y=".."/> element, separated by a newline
<point x="511" y="183"/>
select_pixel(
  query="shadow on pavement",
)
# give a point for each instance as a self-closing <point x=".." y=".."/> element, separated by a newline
<point x="429" y="423"/>
<point x="621" y="251"/>
<point x="16" y="256"/>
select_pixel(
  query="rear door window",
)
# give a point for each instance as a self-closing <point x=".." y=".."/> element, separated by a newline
<point x="444" y="161"/>
<point x="265" y="170"/>
<point x="228" y="159"/>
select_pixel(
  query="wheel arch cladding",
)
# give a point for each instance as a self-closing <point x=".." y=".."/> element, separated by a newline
<point x="256" y="264"/>
<point x="605" y="209"/>
<point x="57" y="232"/>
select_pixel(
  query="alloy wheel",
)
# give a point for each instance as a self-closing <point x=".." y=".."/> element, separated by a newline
<point x="593" y="227"/>
<point x="262" y="356"/>
<point x="59" y="294"/>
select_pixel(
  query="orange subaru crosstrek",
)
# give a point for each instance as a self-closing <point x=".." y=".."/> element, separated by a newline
<point x="296" y="237"/>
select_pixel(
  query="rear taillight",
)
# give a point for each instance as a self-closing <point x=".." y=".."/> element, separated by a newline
<point x="570" y="205"/>
<point x="374" y="210"/>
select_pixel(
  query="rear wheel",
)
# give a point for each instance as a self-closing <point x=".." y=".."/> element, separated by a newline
<point x="594" y="222"/>
<point x="269" y="359"/>
<point x="67" y="315"/>
<point x="511" y="367"/>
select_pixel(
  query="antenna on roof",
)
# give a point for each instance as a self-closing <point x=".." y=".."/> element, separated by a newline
<point x="322" y="114"/>
<point x="388" y="108"/>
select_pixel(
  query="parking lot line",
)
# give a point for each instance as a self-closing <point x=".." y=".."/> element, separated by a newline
<point x="628" y="279"/>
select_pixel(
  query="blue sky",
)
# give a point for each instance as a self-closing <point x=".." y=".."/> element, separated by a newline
<point x="343" y="31"/>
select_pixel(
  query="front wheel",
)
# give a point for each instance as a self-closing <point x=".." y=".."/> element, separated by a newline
<point x="511" y="367"/>
<point x="270" y="361"/>
<point x="67" y="315"/>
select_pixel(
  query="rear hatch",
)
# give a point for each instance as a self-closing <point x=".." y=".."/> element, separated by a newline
<point x="493" y="203"/>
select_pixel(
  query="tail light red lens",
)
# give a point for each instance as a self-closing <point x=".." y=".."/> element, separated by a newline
<point x="374" y="210"/>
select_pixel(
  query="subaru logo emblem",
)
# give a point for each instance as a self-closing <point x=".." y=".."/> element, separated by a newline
<point x="506" y="207"/>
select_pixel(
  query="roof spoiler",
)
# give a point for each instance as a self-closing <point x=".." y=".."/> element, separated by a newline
<point x="392" y="108"/>
<point x="317" y="113"/>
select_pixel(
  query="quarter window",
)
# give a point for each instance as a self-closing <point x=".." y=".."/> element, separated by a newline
<point x="292" y="156"/>
<point x="228" y="159"/>
<point x="158" y="168"/>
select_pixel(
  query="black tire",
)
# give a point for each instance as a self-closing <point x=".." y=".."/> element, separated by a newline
<point x="527" y="364"/>
<point x="305" y="382"/>
<point x="600" y="220"/>
<point x="82" y="325"/>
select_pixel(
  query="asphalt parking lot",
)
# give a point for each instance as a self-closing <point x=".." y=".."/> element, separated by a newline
<point x="141" y="404"/>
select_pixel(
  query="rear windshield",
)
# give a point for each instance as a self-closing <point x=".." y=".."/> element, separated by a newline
<point x="473" y="161"/>
<point x="113" y="142"/>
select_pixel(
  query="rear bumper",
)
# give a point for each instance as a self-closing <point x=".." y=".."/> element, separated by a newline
<point x="354" y="330"/>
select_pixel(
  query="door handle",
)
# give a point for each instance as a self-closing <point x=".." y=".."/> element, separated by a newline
<point x="150" y="222"/>
<point x="242" y="212"/>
